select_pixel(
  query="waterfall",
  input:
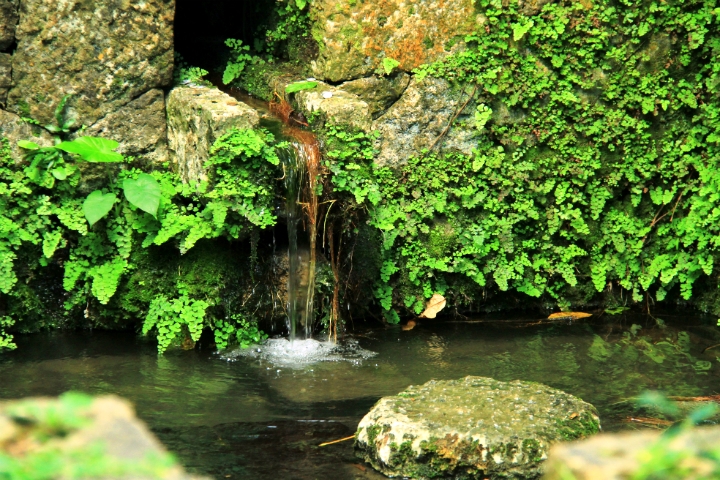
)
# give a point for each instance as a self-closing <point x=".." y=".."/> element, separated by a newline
<point x="301" y="163"/>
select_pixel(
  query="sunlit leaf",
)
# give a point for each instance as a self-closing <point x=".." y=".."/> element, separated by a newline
<point x="28" y="145"/>
<point x="298" y="86"/>
<point x="569" y="316"/>
<point x="434" y="306"/>
<point x="92" y="149"/>
<point x="97" y="205"/>
<point x="143" y="192"/>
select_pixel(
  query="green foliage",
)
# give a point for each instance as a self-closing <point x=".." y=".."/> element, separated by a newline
<point x="6" y="340"/>
<point x="292" y="21"/>
<point x="92" y="149"/>
<point x="248" y="334"/>
<point x="665" y="458"/>
<point x="185" y="73"/>
<point x="389" y="64"/>
<point x="241" y="58"/>
<point x="175" y="319"/>
<point x="299" y="86"/>
<point x="596" y="163"/>
<point x="43" y="213"/>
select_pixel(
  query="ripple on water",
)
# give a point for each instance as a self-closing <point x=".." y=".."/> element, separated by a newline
<point x="301" y="353"/>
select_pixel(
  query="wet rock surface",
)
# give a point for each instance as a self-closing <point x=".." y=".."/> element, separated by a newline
<point x="355" y="37"/>
<point x="419" y="120"/>
<point x="619" y="455"/>
<point x="105" y="53"/>
<point x="140" y="127"/>
<point x="14" y="128"/>
<point x="99" y="437"/>
<point x="5" y="77"/>
<point x="475" y="427"/>
<point x="378" y="92"/>
<point x="334" y="106"/>
<point x="197" y="116"/>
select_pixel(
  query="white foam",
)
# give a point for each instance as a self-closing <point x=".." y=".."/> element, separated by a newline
<point x="300" y="353"/>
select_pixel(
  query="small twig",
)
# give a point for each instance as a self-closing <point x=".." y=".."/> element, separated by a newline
<point x="337" y="441"/>
<point x="711" y="347"/>
<point x="452" y="120"/>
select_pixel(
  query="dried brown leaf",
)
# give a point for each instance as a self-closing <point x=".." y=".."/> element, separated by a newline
<point x="569" y="316"/>
<point x="434" y="306"/>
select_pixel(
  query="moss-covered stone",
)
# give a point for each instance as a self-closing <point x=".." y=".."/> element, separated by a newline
<point x="471" y="428"/>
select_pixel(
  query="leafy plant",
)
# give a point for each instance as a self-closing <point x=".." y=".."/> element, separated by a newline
<point x="299" y="86"/>
<point x="186" y="74"/>
<point x="389" y="64"/>
<point x="6" y="340"/>
<point x="175" y="319"/>
<point x="242" y="58"/>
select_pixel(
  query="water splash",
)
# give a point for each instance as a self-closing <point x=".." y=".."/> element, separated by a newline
<point x="282" y="352"/>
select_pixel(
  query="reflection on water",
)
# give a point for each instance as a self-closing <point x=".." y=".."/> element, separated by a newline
<point x="222" y="417"/>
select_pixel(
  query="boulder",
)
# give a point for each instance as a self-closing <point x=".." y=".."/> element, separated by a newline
<point x="5" y="77"/>
<point x="196" y="117"/>
<point x="8" y="22"/>
<point x="378" y="92"/>
<point x="140" y="127"/>
<point x="14" y="128"/>
<point x="474" y="427"/>
<point x="100" y="437"/>
<point x="419" y="120"/>
<point x="355" y="37"/>
<point x="104" y="53"/>
<point x="333" y="105"/>
<point x="620" y="455"/>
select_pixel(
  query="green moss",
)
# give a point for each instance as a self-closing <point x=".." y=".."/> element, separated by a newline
<point x="372" y="432"/>
<point x="532" y="450"/>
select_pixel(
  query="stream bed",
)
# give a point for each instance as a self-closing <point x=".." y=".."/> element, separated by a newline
<point x="246" y="417"/>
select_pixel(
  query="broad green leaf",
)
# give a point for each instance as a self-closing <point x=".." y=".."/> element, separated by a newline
<point x="97" y="205"/>
<point x="298" y="86"/>
<point x="92" y="149"/>
<point x="301" y="4"/>
<point x="144" y="193"/>
<point x="60" y="173"/>
<point x="28" y="145"/>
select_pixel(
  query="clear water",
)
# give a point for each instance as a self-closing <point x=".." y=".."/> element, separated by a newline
<point x="256" y="416"/>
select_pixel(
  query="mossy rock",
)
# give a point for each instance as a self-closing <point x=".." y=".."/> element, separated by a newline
<point x="475" y="427"/>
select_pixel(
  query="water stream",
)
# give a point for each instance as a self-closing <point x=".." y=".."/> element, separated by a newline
<point x="257" y="418"/>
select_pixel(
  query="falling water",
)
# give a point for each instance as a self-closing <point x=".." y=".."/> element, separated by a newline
<point x="301" y="164"/>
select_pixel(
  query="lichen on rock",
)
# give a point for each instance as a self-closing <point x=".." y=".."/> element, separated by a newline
<point x="355" y="37"/>
<point x="471" y="428"/>
<point x="104" y="53"/>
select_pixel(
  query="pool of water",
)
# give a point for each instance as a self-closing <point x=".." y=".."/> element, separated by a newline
<point x="243" y="416"/>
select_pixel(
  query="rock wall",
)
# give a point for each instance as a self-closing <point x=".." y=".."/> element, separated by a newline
<point x="110" y="56"/>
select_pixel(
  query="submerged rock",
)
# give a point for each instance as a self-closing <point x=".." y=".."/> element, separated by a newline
<point x="355" y="37"/>
<point x="419" y="119"/>
<point x="197" y="116"/>
<point x="621" y="455"/>
<point x="474" y="427"/>
<point x="99" y="437"/>
<point x="104" y="53"/>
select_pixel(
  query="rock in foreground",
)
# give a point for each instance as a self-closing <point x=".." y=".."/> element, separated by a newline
<point x="691" y="454"/>
<point x="474" y="427"/>
<point x="76" y="436"/>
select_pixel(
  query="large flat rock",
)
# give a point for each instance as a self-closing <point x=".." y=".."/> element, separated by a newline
<point x="355" y="37"/>
<point x="474" y="427"/>
<point x="335" y="106"/>
<point x="104" y="53"/>
<point x="197" y="116"/>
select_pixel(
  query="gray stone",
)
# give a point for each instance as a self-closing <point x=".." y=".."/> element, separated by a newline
<point x="8" y="22"/>
<point x="140" y="127"/>
<point x="104" y="53"/>
<point x="75" y="425"/>
<point x="474" y="427"/>
<point x="355" y="37"/>
<point x="15" y="128"/>
<point x="5" y="76"/>
<point x="335" y="106"/>
<point x="197" y="116"/>
<point x="378" y="92"/>
<point x="618" y="456"/>
<point x="419" y="120"/>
